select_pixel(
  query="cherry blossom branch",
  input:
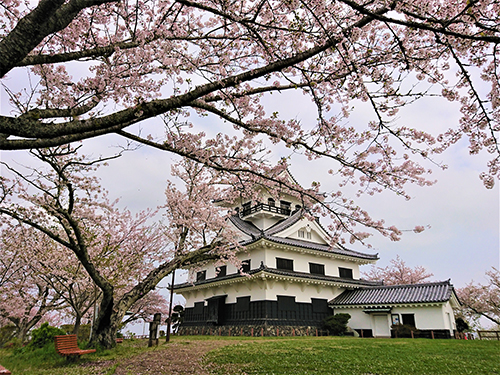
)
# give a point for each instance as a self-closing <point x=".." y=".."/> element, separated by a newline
<point x="47" y="18"/>
<point x="423" y="26"/>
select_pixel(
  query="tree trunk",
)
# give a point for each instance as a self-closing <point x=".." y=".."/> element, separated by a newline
<point x="105" y="328"/>
<point x="76" y="326"/>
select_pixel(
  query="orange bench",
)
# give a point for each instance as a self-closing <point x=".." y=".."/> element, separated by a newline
<point x="67" y="346"/>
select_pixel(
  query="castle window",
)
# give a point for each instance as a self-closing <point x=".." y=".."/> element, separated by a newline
<point x="317" y="269"/>
<point x="319" y="305"/>
<point x="301" y="234"/>
<point x="201" y="275"/>
<point x="242" y="303"/>
<point x="222" y="271"/>
<point x="271" y="202"/>
<point x="286" y="303"/>
<point x="308" y="235"/>
<point x="284" y="264"/>
<point x="408" y="319"/>
<point x="346" y="273"/>
<point x="245" y="265"/>
<point x="198" y="308"/>
<point x="286" y="207"/>
<point x="246" y="208"/>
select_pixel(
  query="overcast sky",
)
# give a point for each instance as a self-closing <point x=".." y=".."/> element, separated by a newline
<point x="461" y="243"/>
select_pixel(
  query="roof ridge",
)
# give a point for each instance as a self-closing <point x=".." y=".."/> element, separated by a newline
<point x="429" y="283"/>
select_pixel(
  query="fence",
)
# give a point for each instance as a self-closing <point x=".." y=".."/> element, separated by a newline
<point x="489" y="335"/>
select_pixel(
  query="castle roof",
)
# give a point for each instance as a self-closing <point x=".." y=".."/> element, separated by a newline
<point x="434" y="292"/>
<point x="270" y="234"/>
<point x="278" y="273"/>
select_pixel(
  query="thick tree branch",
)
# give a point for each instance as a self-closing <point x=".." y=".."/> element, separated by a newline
<point x="47" y="18"/>
<point x="51" y="134"/>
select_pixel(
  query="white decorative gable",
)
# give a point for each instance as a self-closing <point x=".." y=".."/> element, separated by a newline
<point x="305" y="230"/>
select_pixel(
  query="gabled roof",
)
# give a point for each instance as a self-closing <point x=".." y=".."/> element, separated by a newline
<point x="434" y="292"/>
<point x="284" y="224"/>
<point x="257" y="234"/>
<point x="245" y="226"/>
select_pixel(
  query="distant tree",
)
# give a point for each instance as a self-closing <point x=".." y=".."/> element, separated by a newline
<point x="25" y="298"/>
<point x="482" y="300"/>
<point x="397" y="273"/>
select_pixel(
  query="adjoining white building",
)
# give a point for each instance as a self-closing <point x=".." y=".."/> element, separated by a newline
<point x="428" y="307"/>
<point x="291" y="273"/>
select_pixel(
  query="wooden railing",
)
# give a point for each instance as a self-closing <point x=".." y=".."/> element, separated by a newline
<point x="489" y="335"/>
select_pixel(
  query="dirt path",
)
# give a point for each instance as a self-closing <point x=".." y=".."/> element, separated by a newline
<point x="178" y="358"/>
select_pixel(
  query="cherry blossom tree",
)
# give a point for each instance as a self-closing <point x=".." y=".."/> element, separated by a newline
<point x="100" y="66"/>
<point x="123" y="255"/>
<point x="482" y="300"/>
<point x="398" y="273"/>
<point x="26" y="298"/>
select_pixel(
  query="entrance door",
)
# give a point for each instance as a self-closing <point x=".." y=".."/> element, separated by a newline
<point x="216" y="307"/>
<point x="381" y="326"/>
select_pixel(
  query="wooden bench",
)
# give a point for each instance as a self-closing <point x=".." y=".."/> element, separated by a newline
<point x="4" y="371"/>
<point x="67" y="346"/>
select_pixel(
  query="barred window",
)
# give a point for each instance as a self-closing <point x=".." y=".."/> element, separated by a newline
<point x="201" y="275"/>
<point x="317" y="269"/>
<point x="284" y="264"/>
<point x="345" y="273"/>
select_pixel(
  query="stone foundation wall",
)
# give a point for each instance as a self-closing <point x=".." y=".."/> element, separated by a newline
<point x="253" y="331"/>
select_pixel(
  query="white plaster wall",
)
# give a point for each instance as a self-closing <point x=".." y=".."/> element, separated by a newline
<point x="301" y="292"/>
<point x="449" y="317"/>
<point x="426" y="317"/>
<point x="259" y="290"/>
<point x="359" y="320"/>
<point x="301" y="262"/>
<point x="253" y="289"/>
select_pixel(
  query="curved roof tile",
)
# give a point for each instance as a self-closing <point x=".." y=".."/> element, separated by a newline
<point x="396" y="294"/>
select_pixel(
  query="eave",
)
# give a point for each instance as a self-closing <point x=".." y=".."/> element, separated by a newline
<point x="266" y="242"/>
<point x="273" y="275"/>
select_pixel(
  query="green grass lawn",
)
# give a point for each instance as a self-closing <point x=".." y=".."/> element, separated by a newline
<point x="286" y="355"/>
<point x="334" y="355"/>
<point x="45" y="361"/>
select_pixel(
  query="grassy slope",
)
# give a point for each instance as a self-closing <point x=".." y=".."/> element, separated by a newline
<point x="300" y="355"/>
<point x="45" y="361"/>
<point x="357" y="356"/>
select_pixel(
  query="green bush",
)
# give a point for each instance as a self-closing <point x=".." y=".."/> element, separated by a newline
<point x="403" y="330"/>
<point x="83" y="331"/>
<point x="44" y="335"/>
<point x="336" y="324"/>
<point x="462" y="325"/>
<point x="6" y="333"/>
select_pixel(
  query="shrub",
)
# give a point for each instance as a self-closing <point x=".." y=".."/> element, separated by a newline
<point x="462" y="325"/>
<point x="403" y="330"/>
<point x="6" y="333"/>
<point x="44" y="335"/>
<point x="336" y="324"/>
<point x="83" y="331"/>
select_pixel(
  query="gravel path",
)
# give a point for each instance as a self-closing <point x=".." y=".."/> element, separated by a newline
<point x="177" y="358"/>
